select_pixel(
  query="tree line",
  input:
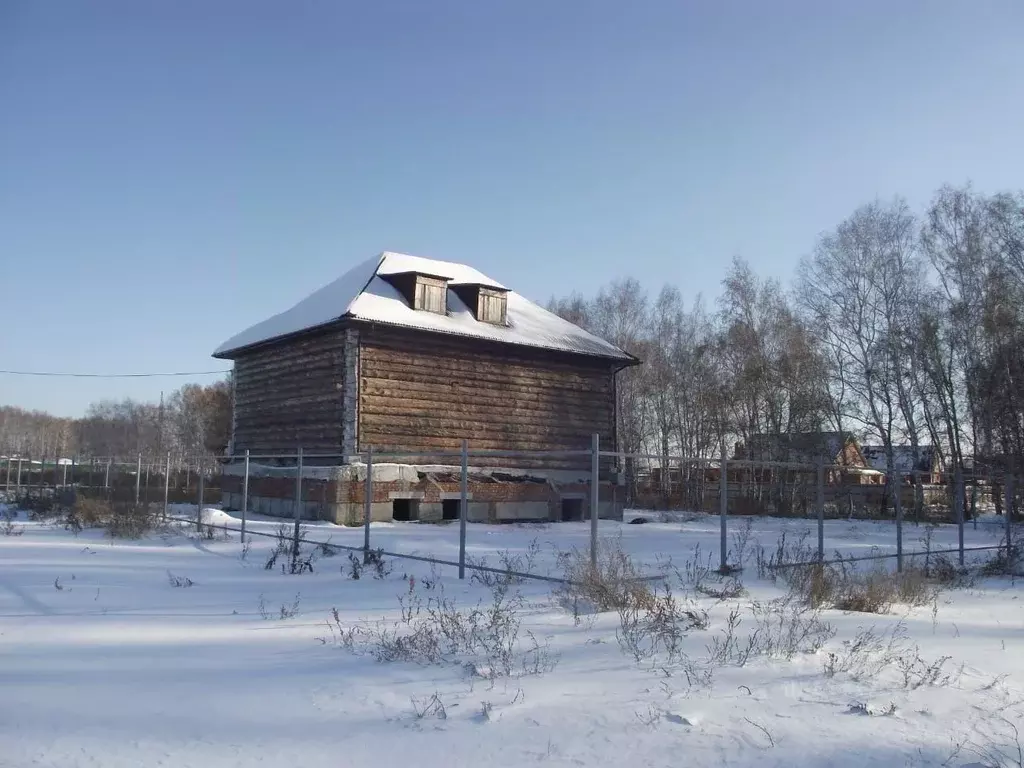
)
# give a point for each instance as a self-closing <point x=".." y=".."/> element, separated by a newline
<point x="195" y="420"/>
<point x="904" y="328"/>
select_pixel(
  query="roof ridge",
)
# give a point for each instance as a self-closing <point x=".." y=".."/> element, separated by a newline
<point x="363" y="294"/>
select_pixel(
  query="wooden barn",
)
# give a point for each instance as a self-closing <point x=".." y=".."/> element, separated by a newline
<point x="923" y="464"/>
<point x="839" y="452"/>
<point x="404" y="353"/>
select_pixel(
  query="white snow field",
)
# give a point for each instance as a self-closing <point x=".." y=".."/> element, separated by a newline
<point x="104" y="662"/>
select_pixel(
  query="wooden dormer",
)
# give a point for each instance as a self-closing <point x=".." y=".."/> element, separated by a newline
<point x="488" y="304"/>
<point x="428" y="293"/>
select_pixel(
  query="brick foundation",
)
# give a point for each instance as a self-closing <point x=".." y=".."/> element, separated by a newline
<point x="338" y="494"/>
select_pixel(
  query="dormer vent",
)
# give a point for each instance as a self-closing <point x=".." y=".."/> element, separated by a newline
<point x="428" y="293"/>
<point x="489" y="304"/>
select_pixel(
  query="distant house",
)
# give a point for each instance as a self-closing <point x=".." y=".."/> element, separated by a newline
<point x="406" y="354"/>
<point x="838" y="451"/>
<point x="924" y="463"/>
<point x="990" y="464"/>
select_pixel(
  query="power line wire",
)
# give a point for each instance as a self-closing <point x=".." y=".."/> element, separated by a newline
<point x="111" y="375"/>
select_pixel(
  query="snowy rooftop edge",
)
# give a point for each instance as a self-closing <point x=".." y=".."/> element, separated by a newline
<point x="362" y="294"/>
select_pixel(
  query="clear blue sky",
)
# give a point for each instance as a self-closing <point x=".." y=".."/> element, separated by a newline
<point x="171" y="172"/>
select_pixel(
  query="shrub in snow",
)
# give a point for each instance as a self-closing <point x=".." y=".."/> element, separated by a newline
<point x="355" y="566"/>
<point x="72" y="523"/>
<point x="7" y="526"/>
<point x="286" y="611"/>
<point x="374" y="559"/>
<point x="437" y="631"/>
<point x="781" y="629"/>
<point x="614" y="582"/>
<point x="91" y="512"/>
<point x="538" y="658"/>
<point x="485" y="711"/>
<point x="511" y="565"/>
<point x="1003" y="564"/>
<point x="842" y="585"/>
<point x="300" y="562"/>
<point x="432" y="707"/>
<point x="1001" y="745"/>
<point x="179" y="581"/>
<point x="289" y="554"/>
<point x="658" y="627"/>
<point x="697" y="575"/>
<point x="872" y="653"/>
<point x="696" y="571"/>
<point x="325" y="549"/>
<point x="42" y="507"/>
<point x="737" y="555"/>
<point x="129" y="520"/>
<point x="725" y="589"/>
<point x="346" y="637"/>
<point x="786" y="551"/>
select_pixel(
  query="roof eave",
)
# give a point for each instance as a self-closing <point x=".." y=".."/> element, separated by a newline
<point x="234" y="352"/>
<point x="624" y="362"/>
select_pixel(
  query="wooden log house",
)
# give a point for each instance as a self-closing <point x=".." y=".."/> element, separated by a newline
<point x="410" y="354"/>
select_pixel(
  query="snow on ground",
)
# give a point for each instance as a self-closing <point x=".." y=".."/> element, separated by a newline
<point x="104" y="662"/>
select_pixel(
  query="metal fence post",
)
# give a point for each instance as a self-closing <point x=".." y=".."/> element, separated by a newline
<point x="595" y="494"/>
<point x="723" y="511"/>
<point x="199" y="505"/>
<point x="298" y="502"/>
<point x="17" y="487"/>
<point x="138" y="477"/>
<point x="820" y="503"/>
<point x="245" y="493"/>
<point x="958" y="484"/>
<point x="463" y="507"/>
<point x="1008" y="511"/>
<point x="367" y="504"/>
<point x="167" y="483"/>
<point x="42" y="471"/>
<point x="7" y="485"/>
<point x="106" y="476"/>
<point x="974" y="500"/>
<point x="897" y="485"/>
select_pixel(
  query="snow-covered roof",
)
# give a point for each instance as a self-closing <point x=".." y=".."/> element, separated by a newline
<point x="364" y="294"/>
<point x="904" y="458"/>
<point x="797" y="447"/>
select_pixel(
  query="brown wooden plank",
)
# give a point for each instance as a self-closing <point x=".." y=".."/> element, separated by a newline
<point x="472" y="411"/>
<point x="396" y="338"/>
<point x="418" y="401"/>
<point x="451" y="425"/>
<point x="428" y="364"/>
<point x="470" y="378"/>
<point x="288" y="395"/>
<point x="397" y="387"/>
<point x="418" y="441"/>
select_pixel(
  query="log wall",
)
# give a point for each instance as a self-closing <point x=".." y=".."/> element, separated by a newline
<point x="291" y="394"/>
<point x="426" y="392"/>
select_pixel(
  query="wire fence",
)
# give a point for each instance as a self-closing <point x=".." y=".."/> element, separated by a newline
<point x="584" y="484"/>
<point x="140" y="479"/>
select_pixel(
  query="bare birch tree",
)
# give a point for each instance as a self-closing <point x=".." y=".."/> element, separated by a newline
<point x="854" y="290"/>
